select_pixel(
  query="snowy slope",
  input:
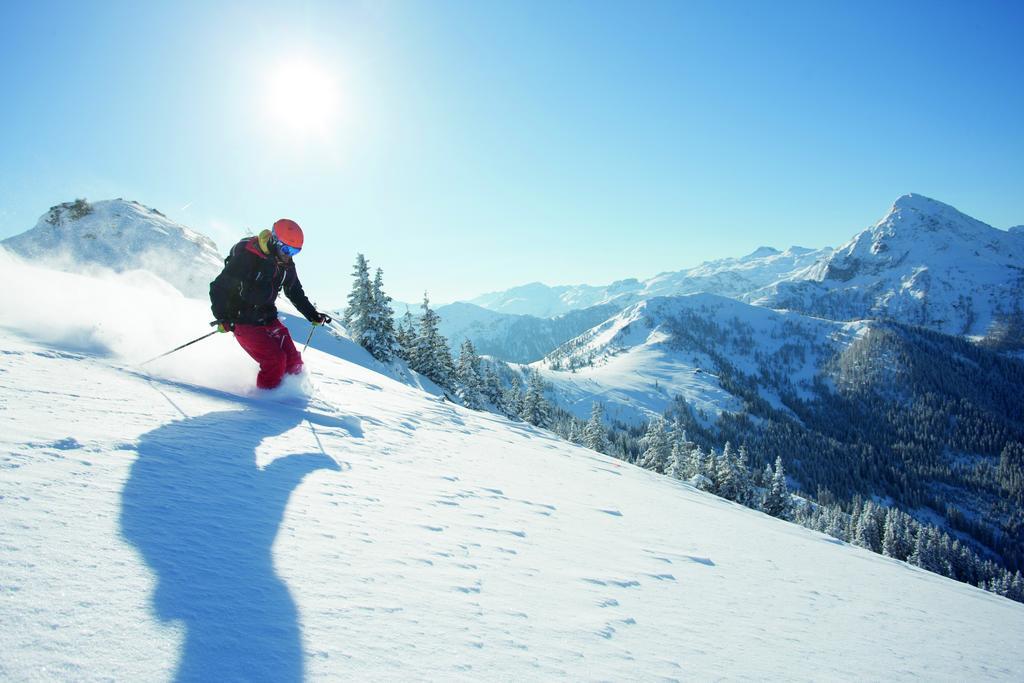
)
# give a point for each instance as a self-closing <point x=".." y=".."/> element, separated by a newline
<point x="516" y="338"/>
<point x="122" y="235"/>
<point x="637" y="362"/>
<point x="924" y="263"/>
<point x="732" y="277"/>
<point x="183" y="523"/>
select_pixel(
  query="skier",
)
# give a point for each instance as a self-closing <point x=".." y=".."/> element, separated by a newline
<point x="242" y="298"/>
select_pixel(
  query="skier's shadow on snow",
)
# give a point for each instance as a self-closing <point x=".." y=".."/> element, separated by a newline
<point x="204" y="518"/>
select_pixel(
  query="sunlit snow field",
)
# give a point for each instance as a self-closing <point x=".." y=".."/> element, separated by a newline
<point x="179" y="523"/>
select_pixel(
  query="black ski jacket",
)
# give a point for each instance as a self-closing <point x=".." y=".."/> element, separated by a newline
<point x="246" y="289"/>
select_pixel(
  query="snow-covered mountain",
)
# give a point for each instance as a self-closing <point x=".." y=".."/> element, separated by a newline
<point x="732" y="277"/>
<point x="544" y="301"/>
<point x="176" y="524"/>
<point x="872" y="408"/>
<point x="516" y="338"/>
<point x="924" y="263"/>
<point x="121" y="235"/>
<point x="638" y="362"/>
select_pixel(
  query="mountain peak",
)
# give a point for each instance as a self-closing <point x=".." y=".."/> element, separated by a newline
<point x="761" y="252"/>
<point x="913" y="214"/>
<point x="918" y="202"/>
<point x="121" y="235"/>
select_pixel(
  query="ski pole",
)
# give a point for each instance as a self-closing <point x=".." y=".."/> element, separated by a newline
<point x="312" y="329"/>
<point x="179" y="348"/>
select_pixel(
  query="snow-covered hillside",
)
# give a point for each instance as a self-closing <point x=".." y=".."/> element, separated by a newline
<point x="732" y="277"/>
<point x="924" y="263"/>
<point x="638" y="362"/>
<point x="179" y="524"/>
<point x="121" y="235"/>
<point x="516" y="338"/>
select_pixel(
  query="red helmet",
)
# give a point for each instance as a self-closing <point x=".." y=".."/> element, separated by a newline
<point x="288" y="232"/>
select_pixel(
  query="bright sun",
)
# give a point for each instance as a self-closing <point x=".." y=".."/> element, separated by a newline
<point x="302" y="99"/>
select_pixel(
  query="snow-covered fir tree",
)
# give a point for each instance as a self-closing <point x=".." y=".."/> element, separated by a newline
<point x="896" y="538"/>
<point x="406" y="335"/>
<point x="536" y="409"/>
<point x="657" y="446"/>
<point x="595" y="436"/>
<point x="492" y="385"/>
<point x="468" y="379"/>
<point x="679" y="467"/>
<point x="777" y="499"/>
<point x="680" y="461"/>
<point x="575" y="434"/>
<point x="368" y="316"/>
<point x="512" y="398"/>
<point x="698" y="462"/>
<point x="727" y="476"/>
<point x="383" y="341"/>
<point x="924" y="554"/>
<point x="869" y="529"/>
<point x="360" y="302"/>
<point x="430" y="355"/>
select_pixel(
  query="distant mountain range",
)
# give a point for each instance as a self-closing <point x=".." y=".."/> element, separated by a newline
<point x="732" y="277"/>
<point x="924" y="263"/>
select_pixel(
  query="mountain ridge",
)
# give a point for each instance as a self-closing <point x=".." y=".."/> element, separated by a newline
<point x="121" y="235"/>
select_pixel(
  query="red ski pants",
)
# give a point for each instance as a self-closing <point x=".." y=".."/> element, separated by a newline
<point x="272" y="347"/>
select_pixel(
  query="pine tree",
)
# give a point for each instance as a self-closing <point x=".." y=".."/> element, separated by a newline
<point x="657" y="446"/>
<point x="777" y="501"/>
<point x="868" y="533"/>
<point x="512" y="399"/>
<point x="679" y="467"/>
<point x="594" y="434"/>
<point x="924" y="551"/>
<point x="575" y="434"/>
<point x="536" y="409"/>
<point x="430" y="353"/>
<point x="492" y="385"/>
<point x="382" y="341"/>
<point x="701" y="465"/>
<point x="360" y="302"/>
<point x="893" y="539"/>
<point x="406" y="336"/>
<point x="835" y="523"/>
<point x="744" y="482"/>
<point x="699" y="462"/>
<point x="727" y="478"/>
<point x="680" y="459"/>
<point x="470" y="384"/>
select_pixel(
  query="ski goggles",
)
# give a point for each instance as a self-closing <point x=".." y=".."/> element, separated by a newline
<point x="286" y="249"/>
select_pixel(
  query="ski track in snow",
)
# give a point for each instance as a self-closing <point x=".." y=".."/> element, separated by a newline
<point x="153" y="528"/>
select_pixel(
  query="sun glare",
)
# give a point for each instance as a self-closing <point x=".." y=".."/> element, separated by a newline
<point x="302" y="99"/>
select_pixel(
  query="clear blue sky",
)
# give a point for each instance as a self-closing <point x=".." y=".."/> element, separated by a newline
<point x="478" y="145"/>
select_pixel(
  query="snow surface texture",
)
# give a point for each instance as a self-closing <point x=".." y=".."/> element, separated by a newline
<point x="122" y="235"/>
<point x="181" y="524"/>
<point x="924" y="263"/>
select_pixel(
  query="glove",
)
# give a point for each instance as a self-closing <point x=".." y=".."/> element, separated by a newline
<point x="321" y="319"/>
<point x="225" y="326"/>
